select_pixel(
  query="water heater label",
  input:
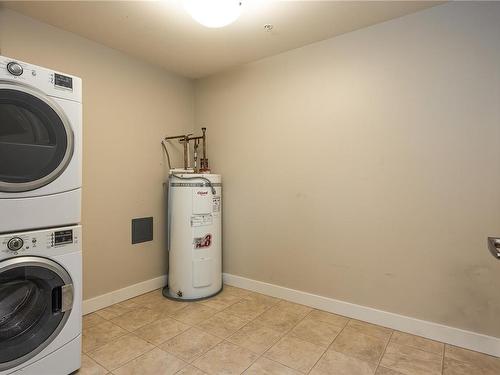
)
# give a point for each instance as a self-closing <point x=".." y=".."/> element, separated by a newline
<point x="203" y="242"/>
<point x="201" y="220"/>
<point x="216" y="204"/>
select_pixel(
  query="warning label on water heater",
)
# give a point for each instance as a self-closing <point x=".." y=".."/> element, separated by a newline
<point x="201" y="220"/>
<point x="216" y="204"/>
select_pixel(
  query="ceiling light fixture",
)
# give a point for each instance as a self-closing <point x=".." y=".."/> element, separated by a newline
<point x="213" y="13"/>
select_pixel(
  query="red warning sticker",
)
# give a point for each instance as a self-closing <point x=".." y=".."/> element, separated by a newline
<point x="203" y="242"/>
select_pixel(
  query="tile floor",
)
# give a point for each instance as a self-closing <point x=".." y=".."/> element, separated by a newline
<point x="241" y="332"/>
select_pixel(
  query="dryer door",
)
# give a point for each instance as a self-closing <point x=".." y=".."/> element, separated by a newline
<point x="36" y="298"/>
<point x="36" y="140"/>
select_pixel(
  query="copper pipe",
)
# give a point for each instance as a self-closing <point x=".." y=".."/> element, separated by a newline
<point x="185" y="143"/>
<point x="204" y="143"/>
<point x="195" y="155"/>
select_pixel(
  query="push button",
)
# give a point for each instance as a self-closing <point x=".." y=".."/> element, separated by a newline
<point x="15" y="243"/>
<point x="14" y="68"/>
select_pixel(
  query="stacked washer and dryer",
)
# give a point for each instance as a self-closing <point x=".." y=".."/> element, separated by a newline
<point x="40" y="205"/>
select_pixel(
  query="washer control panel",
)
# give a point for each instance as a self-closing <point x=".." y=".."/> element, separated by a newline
<point x="42" y="242"/>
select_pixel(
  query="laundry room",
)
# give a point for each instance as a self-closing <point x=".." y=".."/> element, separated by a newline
<point x="249" y="187"/>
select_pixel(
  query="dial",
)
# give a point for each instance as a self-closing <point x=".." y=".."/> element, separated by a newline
<point x="15" y="243"/>
<point x="14" y="68"/>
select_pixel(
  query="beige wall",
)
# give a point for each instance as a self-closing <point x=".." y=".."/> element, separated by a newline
<point x="128" y="106"/>
<point x="363" y="168"/>
<point x="366" y="167"/>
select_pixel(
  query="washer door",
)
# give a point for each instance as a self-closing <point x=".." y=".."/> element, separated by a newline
<point x="36" y="140"/>
<point x="36" y="298"/>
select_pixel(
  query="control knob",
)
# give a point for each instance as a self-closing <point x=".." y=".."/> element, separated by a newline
<point x="14" y="68"/>
<point x="15" y="243"/>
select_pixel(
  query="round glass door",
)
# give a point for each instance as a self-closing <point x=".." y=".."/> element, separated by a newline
<point x="33" y="307"/>
<point x="36" y="141"/>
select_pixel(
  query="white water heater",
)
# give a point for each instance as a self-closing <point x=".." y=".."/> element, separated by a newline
<point x="194" y="236"/>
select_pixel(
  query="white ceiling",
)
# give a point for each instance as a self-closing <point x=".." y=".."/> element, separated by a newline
<point x="162" y="33"/>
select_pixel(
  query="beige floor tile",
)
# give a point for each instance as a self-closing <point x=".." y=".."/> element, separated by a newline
<point x="225" y="359"/>
<point x="247" y="309"/>
<point x="334" y="363"/>
<point x="235" y="291"/>
<point x="114" y="311"/>
<point x="358" y="345"/>
<point x="255" y="337"/>
<point x="190" y="344"/>
<point x="421" y="343"/>
<point x="279" y="320"/>
<point x="316" y="332"/>
<point x="100" y="334"/>
<point x="295" y="353"/>
<point x="157" y="301"/>
<point x="194" y="313"/>
<point x="293" y="308"/>
<point x="130" y="304"/>
<point x="154" y="362"/>
<point x="454" y="367"/>
<point x="120" y="351"/>
<point x="355" y="351"/>
<point x="222" y="324"/>
<point x="326" y="317"/>
<point x="91" y="320"/>
<point x="166" y="307"/>
<point x="190" y="370"/>
<point x="370" y="329"/>
<point x="386" y="371"/>
<point x="486" y="363"/>
<point x="136" y="318"/>
<point x="221" y="301"/>
<point x="262" y="299"/>
<point x="264" y="366"/>
<point x="161" y="330"/>
<point x="411" y="361"/>
<point x="154" y="295"/>
<point x="146" y="297"/>
<point x="90" y="367"/>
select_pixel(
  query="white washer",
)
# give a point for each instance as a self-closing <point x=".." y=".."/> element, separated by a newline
<point x="40" y="147"/>
<point x="40" y="302"/>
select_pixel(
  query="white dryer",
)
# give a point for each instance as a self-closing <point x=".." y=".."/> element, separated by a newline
<point x="40" y="147"/>
<point x="40" y="302"/>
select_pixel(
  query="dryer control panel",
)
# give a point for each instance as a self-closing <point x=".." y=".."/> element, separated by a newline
<point x="44" y="242"/>
<point x="52" y="83"/>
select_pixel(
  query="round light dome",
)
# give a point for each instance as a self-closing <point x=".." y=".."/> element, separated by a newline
<point x="213" y="13"/>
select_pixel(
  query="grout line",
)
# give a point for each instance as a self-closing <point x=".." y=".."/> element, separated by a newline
<point x="247" y="323"/>
<point x="443" y="358"/>
<point x="135" y="334"/>
<point x="240" y="299"/>
<point x="383" y="352"/>
<point x="329" y="346"/>
<point x="225" y="339"/>
<point x="278" y="300"/>
<point x="127" y="362"/>
<point x="281" y="364"/>
<point x="285" y="334"/>
<point x="189" y="325"/>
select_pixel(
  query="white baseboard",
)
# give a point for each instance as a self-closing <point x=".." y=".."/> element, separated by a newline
<point x="108" y="299"/>
<point x="450" y="335"/>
